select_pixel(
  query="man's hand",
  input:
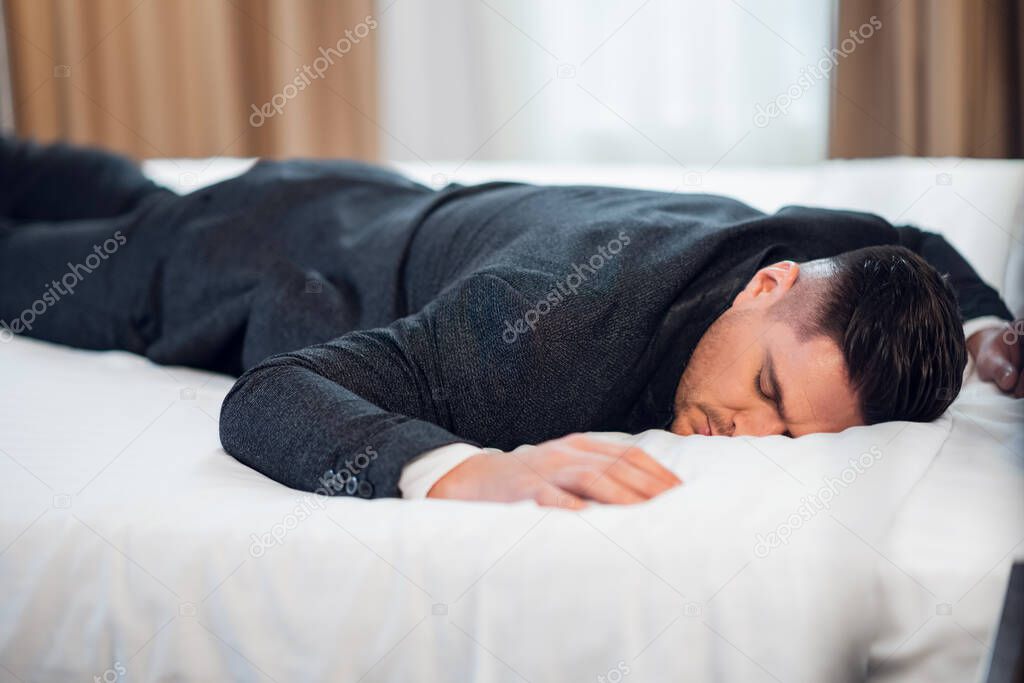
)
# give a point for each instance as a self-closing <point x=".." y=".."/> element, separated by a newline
<point x="560" y="473"/>
<point x="998" y="352"/>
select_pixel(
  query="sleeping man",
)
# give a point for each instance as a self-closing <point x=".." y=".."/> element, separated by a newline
<point x="392" y="340"/>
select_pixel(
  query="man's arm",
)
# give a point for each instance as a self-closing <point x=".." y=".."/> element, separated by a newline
<point x="348" y="416"/>
<point x="340" y="412"/>
<point x="996" y="348"/>
<point x="304" y="417"/>
<point x="420" y="474"/>
<point x="976" y="298"/>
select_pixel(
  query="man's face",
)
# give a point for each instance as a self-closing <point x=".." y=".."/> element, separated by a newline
<point x="751" y="374"/>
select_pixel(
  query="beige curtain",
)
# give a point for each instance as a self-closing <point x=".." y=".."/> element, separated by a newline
<point x="172" y="78"/>
<point x="940" y="77"/>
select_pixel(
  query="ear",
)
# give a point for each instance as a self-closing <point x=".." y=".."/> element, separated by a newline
<point x="768" y="285"/>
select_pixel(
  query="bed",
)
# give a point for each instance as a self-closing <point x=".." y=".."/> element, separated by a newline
<point x="133" y="548"/>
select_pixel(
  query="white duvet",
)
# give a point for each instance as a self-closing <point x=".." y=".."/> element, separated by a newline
<point x="133" y="548"/>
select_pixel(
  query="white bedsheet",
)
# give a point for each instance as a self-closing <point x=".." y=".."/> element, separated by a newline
<point x="131" y="545"/>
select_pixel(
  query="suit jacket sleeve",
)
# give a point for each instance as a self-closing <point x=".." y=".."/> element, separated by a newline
<point x="976" y="298"/>
<point x="344" y="417"/>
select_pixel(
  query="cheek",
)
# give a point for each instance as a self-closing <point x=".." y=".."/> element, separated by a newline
<point x="728" y="371"/>
<point x="728" y="387"/>
<point x="697" y="371"/>
<point x="710" y="368"/>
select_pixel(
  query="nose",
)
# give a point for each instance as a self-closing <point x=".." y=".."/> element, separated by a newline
<point x="757" y="422"/>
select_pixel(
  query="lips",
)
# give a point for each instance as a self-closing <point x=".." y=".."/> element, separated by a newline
<point x="705" y="427"/>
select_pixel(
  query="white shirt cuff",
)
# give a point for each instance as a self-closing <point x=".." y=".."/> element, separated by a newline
<point x="420" y="475"/>
<point x="975" y="324"/>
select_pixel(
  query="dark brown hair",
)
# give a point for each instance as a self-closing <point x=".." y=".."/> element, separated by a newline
<point x="898" y="324"/>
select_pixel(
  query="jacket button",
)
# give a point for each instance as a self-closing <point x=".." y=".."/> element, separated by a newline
<point x="351" y="485"/>
<point x="365" y="489"/>
<point x="327" y="484"/>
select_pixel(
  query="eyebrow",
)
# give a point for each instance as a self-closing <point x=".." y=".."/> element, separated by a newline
<point x="777" y="394"/>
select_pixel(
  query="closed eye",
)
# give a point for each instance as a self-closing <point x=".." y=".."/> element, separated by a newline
<point x="759" y="388"/>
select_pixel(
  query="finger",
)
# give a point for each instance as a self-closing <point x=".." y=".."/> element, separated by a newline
<point x="589" y="481"/>
<point x="586" y="463"/>
<point x="1005" y="376"/>
<point x="994" y="367"/>
<point x="639" y="480"/>
<point x="636" y="456"/>
<point x="1019" y="391"/>
<point x="583" y="471"/>
<point x="550" y="495"/>
<point x="622" y="469"/>
<point x="639" y="458"/>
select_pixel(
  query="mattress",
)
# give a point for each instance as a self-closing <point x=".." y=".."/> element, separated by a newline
<point x="132" y="547"/>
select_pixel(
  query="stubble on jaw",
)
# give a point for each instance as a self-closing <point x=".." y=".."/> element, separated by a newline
<point x="689" y="383"/>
